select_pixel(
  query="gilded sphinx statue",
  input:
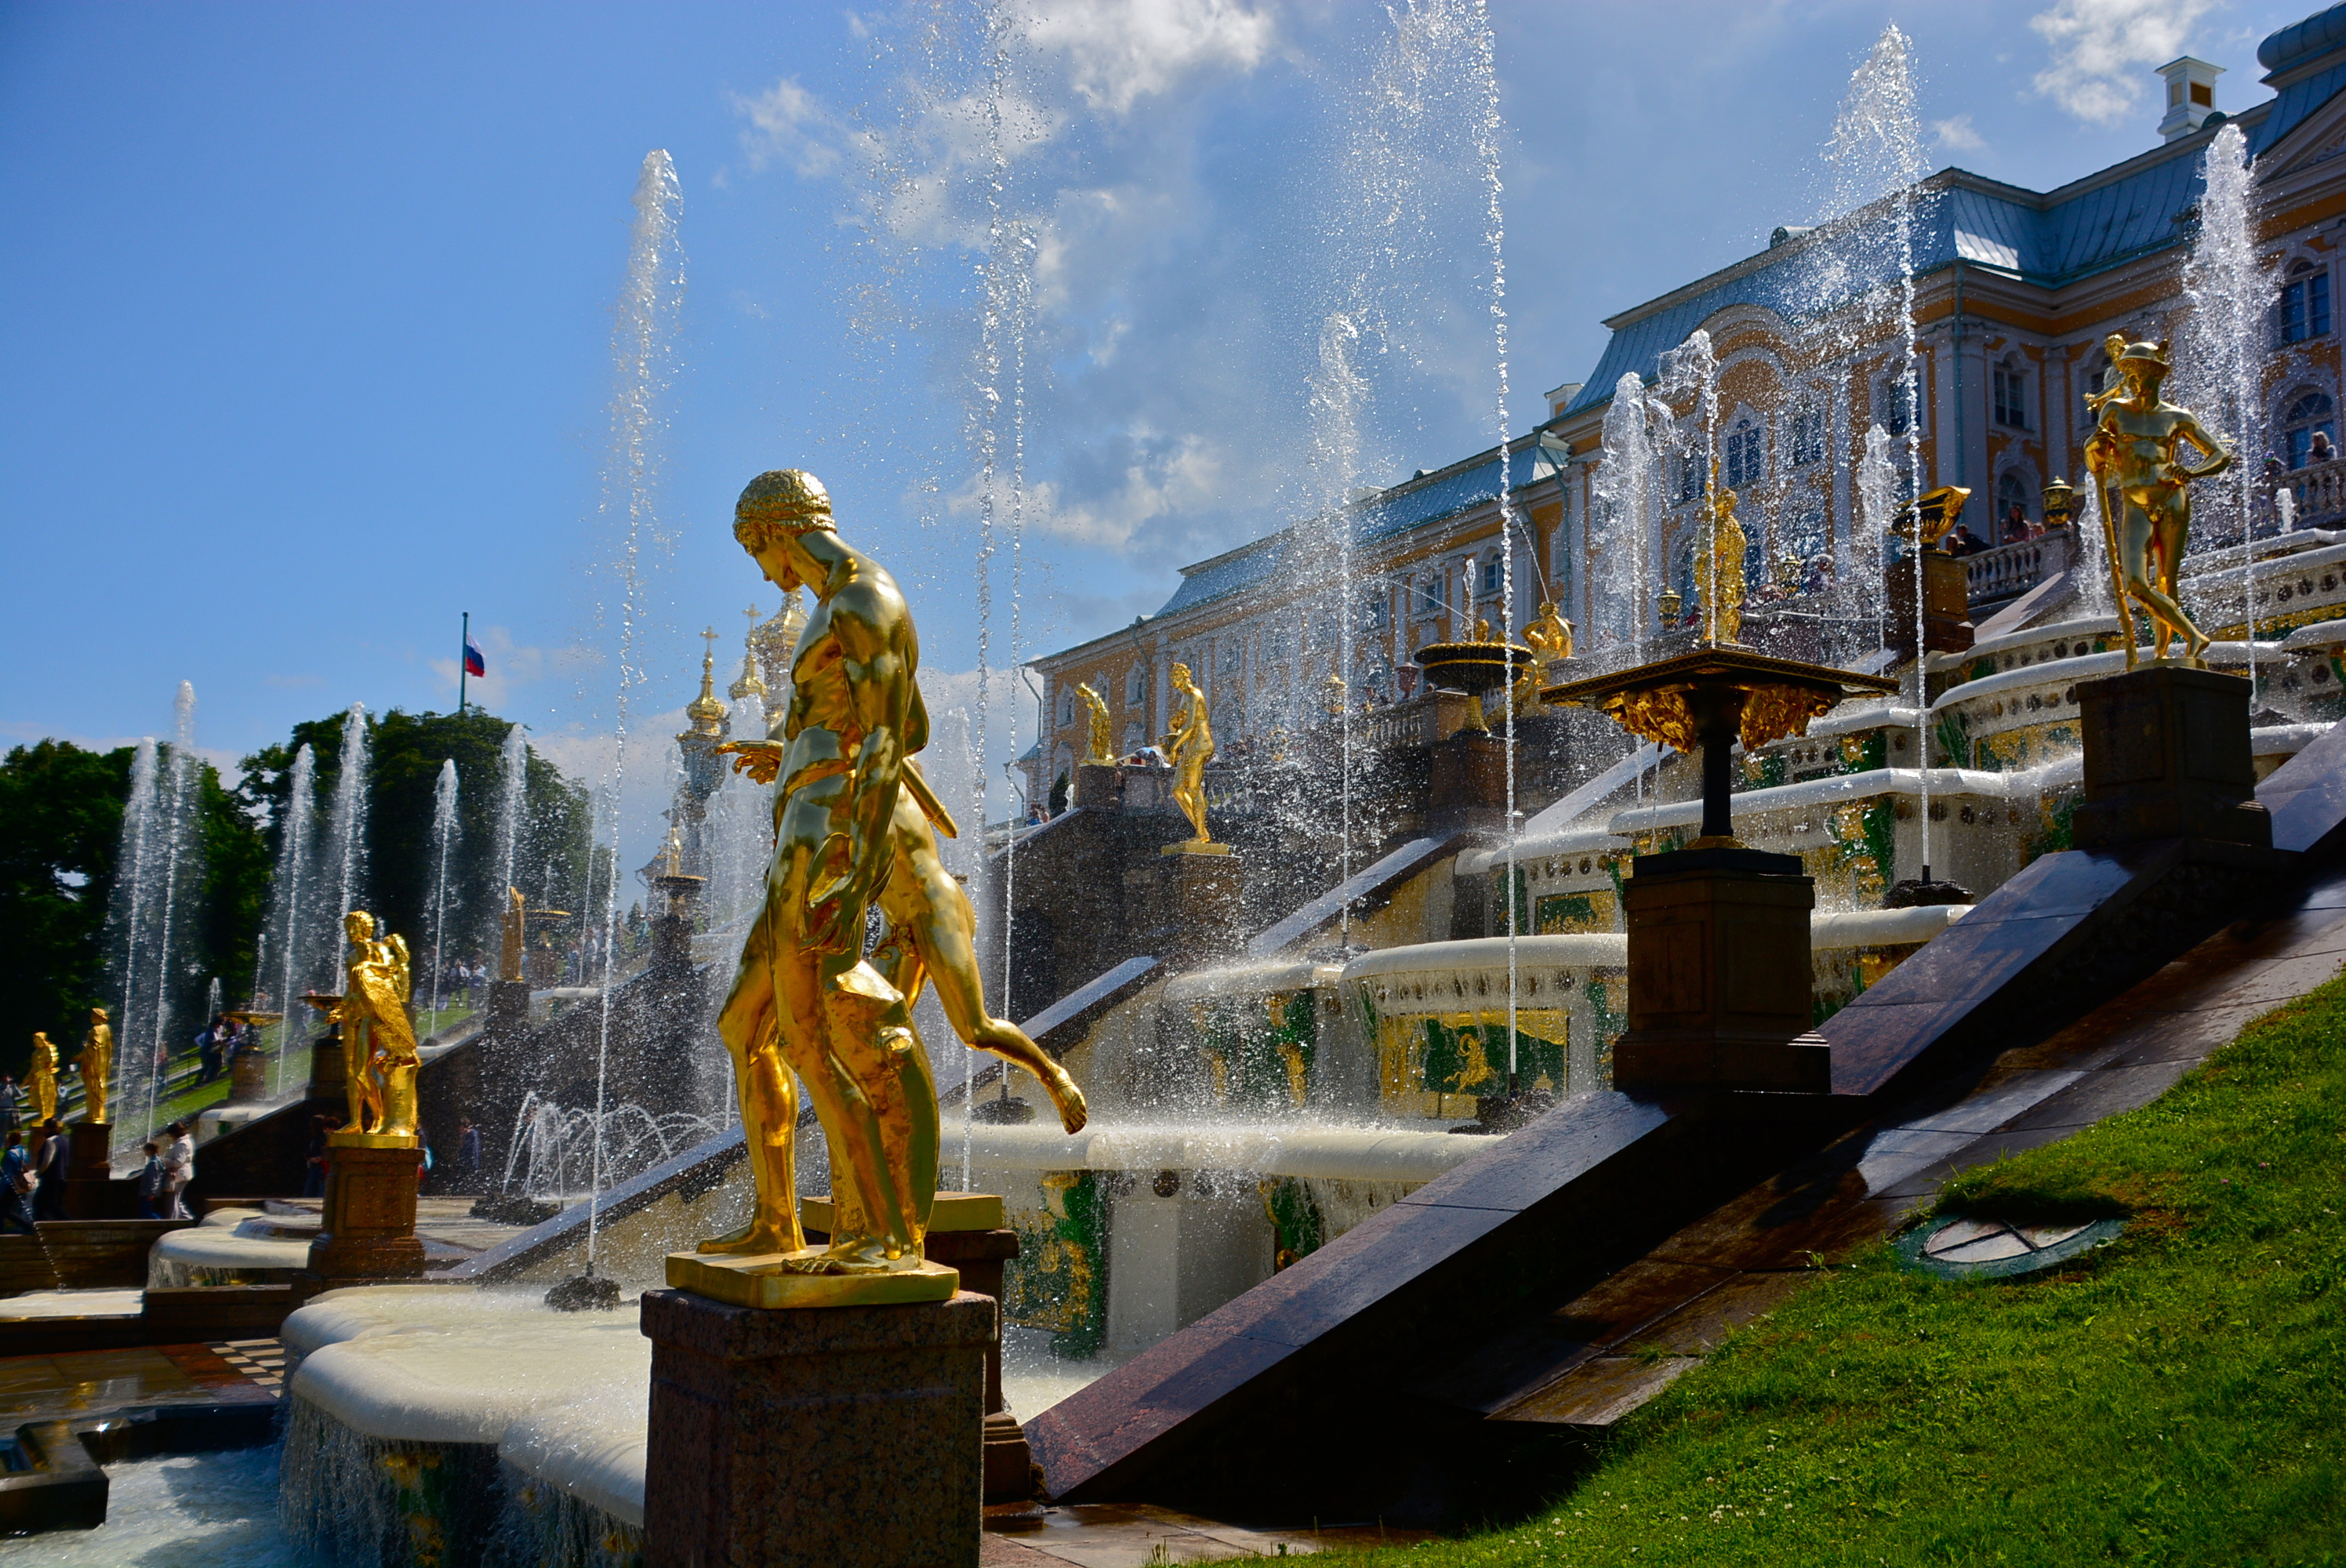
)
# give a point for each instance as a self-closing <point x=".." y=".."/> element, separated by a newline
<point x="2136" y="456"/>
<point x="855" y="828"/>
<point x="97" y="1065"/>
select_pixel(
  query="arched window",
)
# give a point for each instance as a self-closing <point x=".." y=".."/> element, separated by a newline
<point x="2310" y="415"/>
<point x="1066" y="706"/>
<point x="1492" y="578"/>
<point x="2011" y="490"/>
<point x="1807" y="435"/>
<point x="1747" y="453"/>
<point x="2305" y="303"/>
<point x="1135" y="683"/>
<point x="2011" y="395"/>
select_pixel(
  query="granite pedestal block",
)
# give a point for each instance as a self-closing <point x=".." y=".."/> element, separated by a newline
<point x="2168" y="756"/>
<point x="89" y="1170"/>
<point x="330" y="1073"/>
<point x="248" y="1078"/>
<point x="821" y="1438"/>
<point x="1946" y="604"/>
<point x="1467" y="783"/>
<point x="367" y="1229"/>
<point x="508" y="1007"/>
<point x="1719" y="975"/>
<point x="1095" y="789"/>
<point x="1202" y="894"/>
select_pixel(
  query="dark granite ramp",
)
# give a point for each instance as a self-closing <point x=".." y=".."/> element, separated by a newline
<point x="1316" y="1383"/>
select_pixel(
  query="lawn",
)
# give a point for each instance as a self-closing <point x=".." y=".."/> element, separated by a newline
<point x="2173" y="1398"/>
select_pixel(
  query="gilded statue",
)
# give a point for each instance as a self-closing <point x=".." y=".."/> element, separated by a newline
<point x="855" y="825"/>
<point x="96" y="1065"/>
<point x="41" y="1079"/>
<point x="512" y="933"/>
<point x="1188" y="747"/>
<point x="1722" y="562"/>
<point x="2134" y="453"/>
<point x="1549" y="635"/>
<point x="1103" y="750"/>
<point x="379" y="1053"/>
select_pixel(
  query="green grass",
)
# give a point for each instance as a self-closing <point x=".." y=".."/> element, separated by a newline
<point x="2173" y="1398"/>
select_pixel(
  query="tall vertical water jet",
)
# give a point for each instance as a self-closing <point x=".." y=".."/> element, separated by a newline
<point x="443" y="843"/>
<point x="172" y="881"/>
<point x="2220" y="365"/>
<point x="289" y="886"/>
<point x="513" y="790"/>
<point x="643" y="347"/>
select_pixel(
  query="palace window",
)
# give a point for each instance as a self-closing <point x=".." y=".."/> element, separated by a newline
<point x="2305" y="304"/>
<point x="1692" y="480"/>
<point x="2011" y="490"/>
<point x="1135" y="683"/>
<point x="1807" y="435"/>
<point x="1747" y="453"/>
<point x="1066" y="708"/>
<point x="2011" y="394"/>
<point x="1897" y="404"/>
<point x="2310" y="415"/>
<point x="1492" y="581"/>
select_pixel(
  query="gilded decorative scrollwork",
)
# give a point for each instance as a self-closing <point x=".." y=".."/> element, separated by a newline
<point x="1773" y="712"/>
<point x="1658" y="714"/>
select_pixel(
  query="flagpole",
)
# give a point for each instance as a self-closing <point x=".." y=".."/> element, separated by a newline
<point x="463" y="662"/>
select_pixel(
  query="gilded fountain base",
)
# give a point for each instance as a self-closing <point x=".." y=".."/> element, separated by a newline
<point x="765" y="1281"/>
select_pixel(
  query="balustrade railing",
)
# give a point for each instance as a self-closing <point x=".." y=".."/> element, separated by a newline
<point x="2001" y="574"/>
<point x="2320" y="492"/>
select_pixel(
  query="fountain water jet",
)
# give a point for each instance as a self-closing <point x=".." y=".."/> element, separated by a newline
<point x="444" y="840"/>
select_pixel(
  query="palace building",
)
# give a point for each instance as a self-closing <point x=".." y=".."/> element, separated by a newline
<point x="2012" y="292"/>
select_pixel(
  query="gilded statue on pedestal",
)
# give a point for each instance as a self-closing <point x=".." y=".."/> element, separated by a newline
<point x="2134" y="453"/>
<point x="379" y="1050"/>
<point x="1549" y="635"/>
<point x="41" y="1079"/>
<point x="855" y="826"/>
<point x="1188" y="747"/>
<point x="1103" y="744"/>
<point x="1719" y="559"/>
<point x="96" y="1065"/>
<point x="512" y="934"/>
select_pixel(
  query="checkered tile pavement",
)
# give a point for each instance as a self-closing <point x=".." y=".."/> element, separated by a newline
<point x="263" y="1360"/>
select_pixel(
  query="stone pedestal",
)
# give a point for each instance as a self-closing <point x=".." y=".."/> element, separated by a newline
<point x="367" y="1231"/>
<point x="89" y="1170"/>
<point x="1467" y="783"/>
<point x="2168" y="756"/>
<point x="248" y="1078"/>
<point x="1946" y="604"/>
<point x="330" y="1075"/>
<point x="818" y="1437"/>
<point x="508" y="1007"/>
<point x="1095" y="789"/>
<point x="1201" y="900"/>
<point x="671" y="944"/>
<point x="1719" y="975"/>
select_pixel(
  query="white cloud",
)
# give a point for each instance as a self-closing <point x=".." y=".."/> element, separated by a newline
<point x="2104" y="51"/>
<point x="1957" y="135"/>
<point x="1116" y="52"/>
<point x="789" y="125"/>
<point x="1130" y="478"/>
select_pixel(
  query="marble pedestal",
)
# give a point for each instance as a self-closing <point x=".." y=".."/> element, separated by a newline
<point x="1095" y="789"/>
<point x="89" y="1171"/>
<point x="1200" y="890"/>
<point x="1719" y="975"/>
<point x="1946" y="604"/>
<point x="367" y="1231"/>
<point x="2168" y="756"/>
<point x="825" y="1436"/>
<point x="1467" y="783"/>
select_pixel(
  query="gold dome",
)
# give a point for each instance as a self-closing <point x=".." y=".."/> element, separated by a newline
<point x="706" y="712"/>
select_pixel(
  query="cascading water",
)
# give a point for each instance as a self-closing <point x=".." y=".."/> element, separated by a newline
<point x="163" y="847"/>
<point x="512" y="789"/>
<point x="443" y="844"/>
<point x="130" y="947"/>
<point x="296" y="836"/>
<point x="346" y="842"/>
<point x="643" y="346"/>
<point x="2220" y="361"/>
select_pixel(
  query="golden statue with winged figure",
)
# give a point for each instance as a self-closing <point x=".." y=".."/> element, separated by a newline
<point x="1188" y="747"/>
<point x="1103" y="745"/>
<point x="379" y="1053"/>
<point x="855" y="827"/>
<point x="2136" y="456"/>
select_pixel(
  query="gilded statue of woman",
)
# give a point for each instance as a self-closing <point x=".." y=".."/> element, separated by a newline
<point x="41" y="1079"/>
<point x="1188" y="747"/>
<point x="1103" y="749"/>
<point x="2135" y="455"/>
<point x="1719" y="559"/>
<point x="96" y="1065"/>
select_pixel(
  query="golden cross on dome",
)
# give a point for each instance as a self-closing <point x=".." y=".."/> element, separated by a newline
<point x="752" y="613"/>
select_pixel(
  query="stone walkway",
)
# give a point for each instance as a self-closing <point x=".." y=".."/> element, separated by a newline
<point x="94" y="1382"/>
<point x="1121" y="1536"/>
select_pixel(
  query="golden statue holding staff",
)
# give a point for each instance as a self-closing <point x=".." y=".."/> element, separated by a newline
<point x="2134" y="455"/>
<point x="1102" y="747"/>
<point x="379" y="1053"/>
<point x="96" y="1065"/>
<point x="1720" y="560"/>
<point x="41" y="1079"/>
<point x="1188" y="747"/>
<point x="512" y="935"/>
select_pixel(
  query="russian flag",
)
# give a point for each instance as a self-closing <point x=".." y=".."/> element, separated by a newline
<point x="473" y="663"/>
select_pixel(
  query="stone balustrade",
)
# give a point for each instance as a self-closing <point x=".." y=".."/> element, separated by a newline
<point x="1999" y="576"/>
<point x="2320" y="492"/>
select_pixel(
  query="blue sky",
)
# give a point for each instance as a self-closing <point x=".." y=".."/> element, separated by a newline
<point x="314" y="303"/>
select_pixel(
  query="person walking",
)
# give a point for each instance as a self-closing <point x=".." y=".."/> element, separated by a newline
<point x="12" y="1103"/>
<point x="16" y="1188"/>
<point x="178" y="1169"/>
<point x="49" y="1172"/>
<point x="153" y="1180"/>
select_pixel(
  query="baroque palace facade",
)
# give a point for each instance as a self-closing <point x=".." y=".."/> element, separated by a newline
<point x="2012" y="293"/>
